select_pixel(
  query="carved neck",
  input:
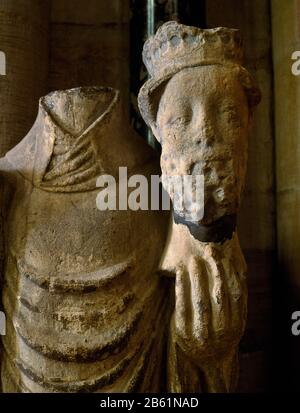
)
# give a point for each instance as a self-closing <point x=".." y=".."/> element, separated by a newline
<point x="78" y="135"/>
<point x="73" y="140"/>
<point x="219" y="231"/>
<point x="77" y="111"/>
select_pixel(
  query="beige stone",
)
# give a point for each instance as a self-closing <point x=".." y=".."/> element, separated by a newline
<point x="86" y="309"/>
<point x="199" y="103"/>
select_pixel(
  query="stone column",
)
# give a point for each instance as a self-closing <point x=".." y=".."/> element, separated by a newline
<point x="24" y="41"/>
<point x="286" y="40"/>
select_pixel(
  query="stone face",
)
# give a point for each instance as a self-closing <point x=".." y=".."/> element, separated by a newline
<point x="86" y="309"/>
<point x="204" y="132"/>
<point x="199" y="103"/>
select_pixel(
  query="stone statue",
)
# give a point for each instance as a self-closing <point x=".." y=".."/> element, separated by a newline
<point x="89" y="295"/>
<point x="86" y="310"/>
<point x="199" y="102"/>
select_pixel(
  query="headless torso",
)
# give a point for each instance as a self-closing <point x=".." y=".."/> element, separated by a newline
<point x="85" y="308"/>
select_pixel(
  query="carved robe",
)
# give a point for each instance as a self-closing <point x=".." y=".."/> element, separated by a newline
<point x="86" y="311"/>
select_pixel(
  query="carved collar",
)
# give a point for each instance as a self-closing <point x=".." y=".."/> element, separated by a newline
<point x="60" y="152"/>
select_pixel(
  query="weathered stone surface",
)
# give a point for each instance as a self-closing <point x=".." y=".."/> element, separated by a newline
<point x="199" y="103"/>
<point x="86" y="310"/>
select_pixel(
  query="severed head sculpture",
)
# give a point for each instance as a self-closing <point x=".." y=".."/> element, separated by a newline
<point x="199" y="102"/>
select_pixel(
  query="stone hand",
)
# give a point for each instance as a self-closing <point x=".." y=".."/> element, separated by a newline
<point x="210" y="306"/>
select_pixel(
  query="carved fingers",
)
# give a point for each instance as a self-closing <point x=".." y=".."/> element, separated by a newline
<point x="192" y="310"/>
<point x="228" y="300"/>
<point x="210" y="308"/>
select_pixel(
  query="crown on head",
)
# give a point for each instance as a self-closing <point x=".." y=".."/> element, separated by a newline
<point x="176" y="45"/>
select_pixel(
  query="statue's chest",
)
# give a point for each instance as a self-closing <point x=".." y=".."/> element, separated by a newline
<point x="80" y="287"/>
<point x="67" y="233"/>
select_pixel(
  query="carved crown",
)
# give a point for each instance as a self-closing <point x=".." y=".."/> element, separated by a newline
<point x="175" y="44"/>
<point x="175" y="47"/>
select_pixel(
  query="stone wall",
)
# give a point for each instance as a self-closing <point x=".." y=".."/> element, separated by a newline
<point x="89" y="44"/>
<point x="24" y="40"/>
<point x="286" y="40"/>
<point x="58" y="44"/>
